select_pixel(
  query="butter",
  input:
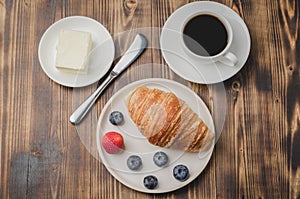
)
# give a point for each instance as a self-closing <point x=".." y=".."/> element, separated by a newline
<point x="72" y="51"/>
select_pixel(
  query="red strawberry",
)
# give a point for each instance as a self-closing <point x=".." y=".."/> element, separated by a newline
<point x="113" y="142"/>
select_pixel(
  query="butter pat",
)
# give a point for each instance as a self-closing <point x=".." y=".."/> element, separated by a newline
<point x="72" y="51"/>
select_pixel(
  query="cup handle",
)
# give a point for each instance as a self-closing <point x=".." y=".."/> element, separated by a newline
<point x="229" y="59"/>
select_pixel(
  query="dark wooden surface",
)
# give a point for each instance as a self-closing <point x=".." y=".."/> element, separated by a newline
<point x="42" y="156"/>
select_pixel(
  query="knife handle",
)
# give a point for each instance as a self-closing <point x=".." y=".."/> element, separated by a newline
<point x="84" y="108"/>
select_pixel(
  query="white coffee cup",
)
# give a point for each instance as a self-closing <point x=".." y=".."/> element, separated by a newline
<point x="224" y="56"/>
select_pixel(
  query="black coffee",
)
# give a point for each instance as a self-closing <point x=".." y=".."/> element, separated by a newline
<point x="205" y="35"/>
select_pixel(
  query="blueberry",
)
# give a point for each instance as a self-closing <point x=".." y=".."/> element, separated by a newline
<point x="116" y="117"/>
<point x="150" y="182"/>
<point x="181" y="172"/>
<point x="134" y="162"/>
<point x="160" y="158"/>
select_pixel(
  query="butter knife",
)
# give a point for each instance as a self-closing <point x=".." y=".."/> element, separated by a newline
<point x="133" y="52"/>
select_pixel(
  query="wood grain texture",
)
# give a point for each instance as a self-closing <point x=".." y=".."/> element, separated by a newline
<point x="42" y="155"/>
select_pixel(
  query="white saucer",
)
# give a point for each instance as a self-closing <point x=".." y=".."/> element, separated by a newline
<point x="191" y="69"/>
<point x="101" y="56"/>
<point x="137" y="144"/>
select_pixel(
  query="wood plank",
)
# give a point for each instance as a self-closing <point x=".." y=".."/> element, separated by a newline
<point x="2" y="60"/>
<point x="287" y="47"/>
<point x="13" y="112"/>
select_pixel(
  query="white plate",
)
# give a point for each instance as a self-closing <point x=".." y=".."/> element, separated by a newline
<point x="136" y="143"/>
<point x="191" y="69"/>
<point x="101" y="57"/>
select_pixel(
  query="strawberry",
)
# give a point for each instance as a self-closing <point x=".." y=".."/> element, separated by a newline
<point x="113" y="142"/>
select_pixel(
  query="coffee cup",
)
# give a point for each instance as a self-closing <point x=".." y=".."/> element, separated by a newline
<point x="207" y="37"/>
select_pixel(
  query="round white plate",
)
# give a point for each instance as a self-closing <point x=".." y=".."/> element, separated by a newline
<point x="189" y="68"/>
<point x="100" y="60"/>
<point x="137" y="144"/>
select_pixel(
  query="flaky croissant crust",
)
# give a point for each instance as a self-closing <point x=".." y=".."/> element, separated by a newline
<point x="167" y="121"/>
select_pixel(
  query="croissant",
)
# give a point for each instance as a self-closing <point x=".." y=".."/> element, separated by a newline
<point x="167" y="121"/>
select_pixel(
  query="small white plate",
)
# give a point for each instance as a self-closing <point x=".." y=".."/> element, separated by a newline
<point x="136" y="143"/>
<point x="191" y="69"/>
<point x="101" y="57"/>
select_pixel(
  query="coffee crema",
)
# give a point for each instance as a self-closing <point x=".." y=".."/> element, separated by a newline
<point x="205" y="35"/>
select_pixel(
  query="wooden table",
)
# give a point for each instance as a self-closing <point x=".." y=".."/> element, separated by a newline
<point x="42" y="156"/>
